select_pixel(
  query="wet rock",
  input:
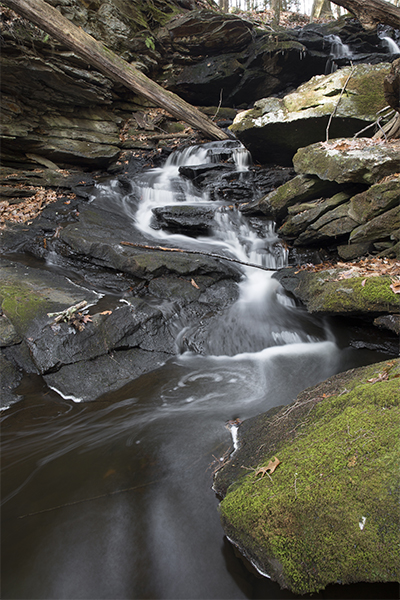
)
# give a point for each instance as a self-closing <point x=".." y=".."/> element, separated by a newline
<point x="9" y="381"/>
<point x="185" y="219"/>
<point x="321" y="516"/>
<point x="199" y="173"/>
<point x="27" y="296"/>
<point x="98" y="235"/>
<point x="86" y="381"/>
<point x="275" y="128"/>
<point x="8" y="333"/>
<point x="324" y="292"/>
<point x="343" y="160"/>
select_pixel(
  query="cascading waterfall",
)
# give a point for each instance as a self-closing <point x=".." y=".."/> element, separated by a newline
<point x="389" y="44"/>
<point x="263" y="316"/>
<point x="116" y="495"/>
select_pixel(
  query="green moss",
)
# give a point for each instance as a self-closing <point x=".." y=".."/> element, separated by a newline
<point x="21" y="304"/>
<point x="353" y="295"/>
<point x="303" y="523"/>
<point x="368" y="91"/>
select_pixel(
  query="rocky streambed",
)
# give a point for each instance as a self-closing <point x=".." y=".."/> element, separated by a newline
<point x="158" y="299"/>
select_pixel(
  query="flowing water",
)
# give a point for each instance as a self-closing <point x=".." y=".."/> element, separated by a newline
<point x="112" y="499"/>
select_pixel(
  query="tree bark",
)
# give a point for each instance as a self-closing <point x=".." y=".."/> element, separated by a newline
<point x="372" y="12"/>
<point x="110" y="64"/>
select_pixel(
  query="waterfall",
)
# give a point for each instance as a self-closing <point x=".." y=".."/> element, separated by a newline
<point x="248" y="326"/>
<point x="389" y="44"/>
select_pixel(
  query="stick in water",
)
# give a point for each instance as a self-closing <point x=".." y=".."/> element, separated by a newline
<point x="219" y="256"/>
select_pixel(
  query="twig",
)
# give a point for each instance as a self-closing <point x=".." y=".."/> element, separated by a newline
<point x="65" y="315"/>
<point x="211" y="255"/>
<point x="219" y="105"/>
<point x="337" y="103"/>
<point x="129" y="489"/>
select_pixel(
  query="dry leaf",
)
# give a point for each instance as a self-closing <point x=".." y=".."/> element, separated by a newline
<point x="270" y="467"/>
<point x="381" y="377"/>
<point x="352" y="461"/>
<point x="395" y="286"/>
<point x="363" y="282"/>
<point x="86" y="319"/>
<point x="194" y="284"/>
<point x="106" y="312"/>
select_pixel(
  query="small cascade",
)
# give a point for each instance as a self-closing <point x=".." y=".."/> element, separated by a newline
<point x="338" y="48"/>
<point x="338" y="51"/>
<point x="389" y="44"/>
<point x="261" y="318"/>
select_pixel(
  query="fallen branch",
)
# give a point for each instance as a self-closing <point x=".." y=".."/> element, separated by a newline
<point x="218" y="256"/>
<point x="66" y="315"/>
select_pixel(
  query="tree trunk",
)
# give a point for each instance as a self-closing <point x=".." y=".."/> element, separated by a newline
<point x="372" y="12"/>
<point x="110" y="64"/>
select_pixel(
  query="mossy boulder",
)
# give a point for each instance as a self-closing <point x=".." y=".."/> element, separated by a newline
<point x="344" y="160"/>
<point x="338" y="291"/>
<point x="329" y="512"/>
<point x="275" y="128"/>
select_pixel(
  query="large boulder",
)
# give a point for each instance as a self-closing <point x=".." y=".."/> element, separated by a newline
<point x="275" y="128"/>
<point x="310" y="495"/>
<point x="345" y="160"/>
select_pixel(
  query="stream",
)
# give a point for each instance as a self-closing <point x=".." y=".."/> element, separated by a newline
<point x="113" y="499"/>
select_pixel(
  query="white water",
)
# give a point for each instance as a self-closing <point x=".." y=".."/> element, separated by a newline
<point x="390" y="44"/>
<point x="338" y="48"/>
<point x="263" y="317"/>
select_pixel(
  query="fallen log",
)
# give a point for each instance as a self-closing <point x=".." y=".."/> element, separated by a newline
<point x="371" y="13"/>
<point x="210" y="255"/>
<point x="51" y="21"/>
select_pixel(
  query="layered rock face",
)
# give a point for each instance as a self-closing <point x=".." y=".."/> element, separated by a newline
<point x="58" y="108"/>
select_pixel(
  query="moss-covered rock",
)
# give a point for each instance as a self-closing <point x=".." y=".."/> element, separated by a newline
<point x="379" y="228"/>
<point x="375" y="200"/>
<point x="303" y="215"/>
<point x="275" y="128"/>
<point x="344" y="160"/>
<point x="329" y="512"/>
<point x="339" y="292"/>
